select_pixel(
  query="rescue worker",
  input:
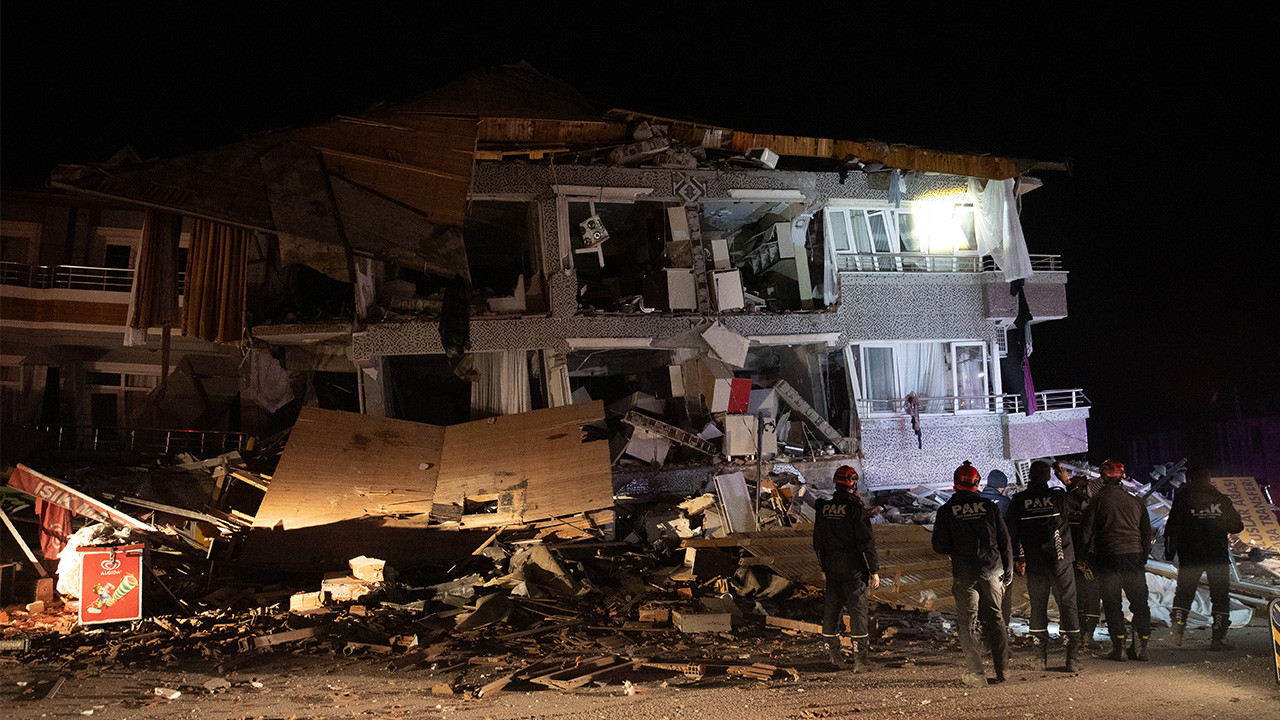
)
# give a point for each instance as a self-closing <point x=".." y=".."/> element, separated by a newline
<point x="1117" y="533"/>
<point x="1196" y="534"/>
<point x="1043" y="551"/>
<point x="846" y="551"/>
<point x="971" y="530"/>
<point x="1087" y="600"/>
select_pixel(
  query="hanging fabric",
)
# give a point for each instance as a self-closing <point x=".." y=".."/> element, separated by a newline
<point x="503" y="384"/>
<point x="998" y="227"/>
<point x="213" y="306"/>
<point x="153" y="301"/>
<point x="55" y="528"/>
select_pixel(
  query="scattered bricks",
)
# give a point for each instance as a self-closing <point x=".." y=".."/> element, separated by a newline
<point x="358" y="610"/>
<point x="168" y="693"/>
<point x="340" y="588"/>
<point x="35" y="608"/>
<point x="443" y="690"/>
<point x="696" y="622"/>
<point x="302" y="602"/>
<point x="652" y="612"/>
<point x="368" y="569"/>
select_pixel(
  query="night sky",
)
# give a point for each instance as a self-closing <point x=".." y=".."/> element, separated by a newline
<point x="1164" y="221"/>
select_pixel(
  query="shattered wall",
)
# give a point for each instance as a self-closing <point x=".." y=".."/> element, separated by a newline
<point x="893" y="459"/>
<point x="1028" y="437"/>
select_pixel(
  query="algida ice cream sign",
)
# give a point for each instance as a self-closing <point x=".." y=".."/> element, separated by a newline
<point x="111" y="584"/>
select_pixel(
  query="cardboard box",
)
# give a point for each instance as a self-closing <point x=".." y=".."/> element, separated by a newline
<point x="720" y="254"/>
<point x="726" y="289"/>
<point x="740" y="436"/>
<point x="671" y="289"/>
<point x="708" y="379"/>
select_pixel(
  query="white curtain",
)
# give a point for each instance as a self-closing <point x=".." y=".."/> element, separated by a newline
<point x="999" y="228"/>
<point x="503" y="387"/>
<point x="922" y="367"/>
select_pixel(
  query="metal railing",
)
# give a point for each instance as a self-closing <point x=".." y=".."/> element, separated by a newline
<point x="934" y="263"/>
<point x="71" y="277"/>
<point x="1048" y="400"/>
<point x="1068" y="399"/>
<point x="201" y="443"/>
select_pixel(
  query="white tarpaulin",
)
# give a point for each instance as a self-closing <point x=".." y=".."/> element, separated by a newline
<point x="999" y="228"/>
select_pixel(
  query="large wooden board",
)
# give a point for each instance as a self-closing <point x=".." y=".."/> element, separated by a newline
<point x="340" y="466"/>
<point x="538" y="459"/>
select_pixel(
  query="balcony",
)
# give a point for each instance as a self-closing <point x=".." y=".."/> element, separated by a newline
<point x="1070" y="399"/>
<point x="70" y="277"/>
<point x="934" y="263"/>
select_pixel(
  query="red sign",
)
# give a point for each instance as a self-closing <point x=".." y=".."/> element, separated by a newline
<point x="51" y="491"/>
<point x="110" y="583"/>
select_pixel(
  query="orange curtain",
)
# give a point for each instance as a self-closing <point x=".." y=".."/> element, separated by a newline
<point x="214" y="298"/>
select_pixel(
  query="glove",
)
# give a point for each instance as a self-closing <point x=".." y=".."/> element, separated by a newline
<point x="1019" y="569"/>
<point x="1084" y="569"/>
<point x="1007" y="579"/>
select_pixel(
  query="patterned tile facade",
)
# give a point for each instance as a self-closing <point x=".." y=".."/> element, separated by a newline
<point x="872" y="306"/>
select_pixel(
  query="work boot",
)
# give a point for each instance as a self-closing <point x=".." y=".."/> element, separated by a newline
<point x="1221" y="621"/>
<point x="1073" y="650"/>
<point x="1179" y="619"/>
<point x="1040" y="641"/>
<point x="860" y="656"/>
<point x="1088" y="623"/>
<point x="1117" y="648"/>
<point x="1138" y="650"/>
<point x="833" y="653"/>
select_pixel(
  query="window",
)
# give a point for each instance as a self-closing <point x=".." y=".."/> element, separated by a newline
<point x="947" y="376"/>
<point x="503" y="253"/>
<point x="118" y="393"/>
<point x="922" y="236"/>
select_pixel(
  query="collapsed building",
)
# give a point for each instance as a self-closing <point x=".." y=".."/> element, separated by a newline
<point x="502" y="245"/>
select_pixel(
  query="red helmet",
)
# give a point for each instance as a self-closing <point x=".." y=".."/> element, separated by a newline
<point x="1111" y="469"/>
<point x="846" y="476"/>
<point x="966" y="477"/>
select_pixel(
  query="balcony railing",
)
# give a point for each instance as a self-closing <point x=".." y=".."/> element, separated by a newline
<point x="201" y="443"/>
<point x="71" y="277"/>
<point x="977" y="404"/>
<point x="1048" y="400"/>
<point x="934" y="263"/>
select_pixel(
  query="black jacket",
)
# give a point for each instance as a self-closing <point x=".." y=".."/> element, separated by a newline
<point x="842" y="535"/>
<point x="1198" y="526"/>
<point x="970" y="529"/>
<point x="1038" y="529"/>
<point x="1077" y="502"/>
<point x="1116" y="523"/>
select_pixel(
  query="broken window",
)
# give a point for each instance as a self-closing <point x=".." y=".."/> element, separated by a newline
<point x="423" y="388"/>
<point x="765" y="244"/>
<point x="930" y="235"/>
<point x="504" y="255"/>
<point x="623" y="243"/>
<point x="947" y="376"/>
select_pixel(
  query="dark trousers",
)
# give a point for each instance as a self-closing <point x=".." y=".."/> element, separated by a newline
<point x="1062" y="582"/>
<point x="845" y="591"/>
<point x="1127" y="573"/>
<point x="1087" y="598"/>
<point x="980" y="601"/>
<point x="1219" y="581"/>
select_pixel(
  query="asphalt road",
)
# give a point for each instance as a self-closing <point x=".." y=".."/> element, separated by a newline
<point x="909" y="679"/>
